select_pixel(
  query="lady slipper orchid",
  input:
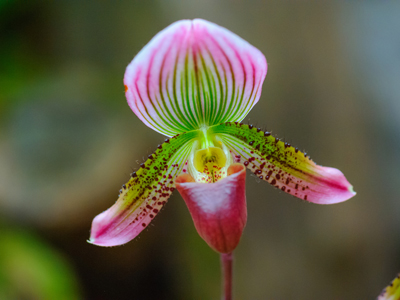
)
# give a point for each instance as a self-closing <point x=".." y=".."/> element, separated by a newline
<point x="194" y="82"/>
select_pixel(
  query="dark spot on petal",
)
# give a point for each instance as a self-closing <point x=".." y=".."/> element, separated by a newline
<point x="251" y="143"/>
<point x="278" y="176"/>
<point x="144" y="224"/>
<point x="133" y="175"/>
<point x="283" y="188"/>
<point x="267" y="133"/>
<point x="273" y="181"/>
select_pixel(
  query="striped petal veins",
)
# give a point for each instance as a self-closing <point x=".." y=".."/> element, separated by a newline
<point x="193" y="74"/>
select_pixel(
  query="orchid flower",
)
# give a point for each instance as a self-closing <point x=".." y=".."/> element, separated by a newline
<point x="391" y="292"/>
<point x="194" y="82"/>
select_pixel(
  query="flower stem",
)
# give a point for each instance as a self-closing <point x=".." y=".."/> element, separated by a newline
<point x="226" y="264"/>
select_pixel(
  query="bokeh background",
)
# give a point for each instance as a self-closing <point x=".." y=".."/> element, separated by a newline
<point x="68" y="141"/>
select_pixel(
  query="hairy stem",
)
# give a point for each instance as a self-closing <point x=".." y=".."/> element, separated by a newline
<point x="226" y="264"/>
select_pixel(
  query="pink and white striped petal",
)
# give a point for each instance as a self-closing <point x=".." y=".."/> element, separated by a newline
<point x="143" y="196"/>
<point x="194" y="73"/>
<point x="283" y="166"/>
<point x="218" y="209"/>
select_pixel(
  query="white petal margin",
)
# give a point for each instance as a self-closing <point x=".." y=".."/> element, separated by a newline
<point x="143" y="196"/>
<point x="191" y="74"/>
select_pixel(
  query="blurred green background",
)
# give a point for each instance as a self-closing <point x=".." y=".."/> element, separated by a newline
<point x="68" y="141"/>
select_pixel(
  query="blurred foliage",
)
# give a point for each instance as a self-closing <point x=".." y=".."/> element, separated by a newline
<point x="31" y="269"/>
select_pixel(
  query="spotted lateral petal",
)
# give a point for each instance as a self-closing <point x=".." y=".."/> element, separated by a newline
<point x="392" y="292"/>
<point x="284" y="166"/>
<point x="142" y="197"/>
<point x="194" y="73"/>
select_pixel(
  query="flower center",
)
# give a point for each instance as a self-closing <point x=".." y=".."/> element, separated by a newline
<point x="209" y="159"/>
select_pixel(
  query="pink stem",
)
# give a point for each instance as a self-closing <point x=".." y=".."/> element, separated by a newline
<point x="226" y="264"/>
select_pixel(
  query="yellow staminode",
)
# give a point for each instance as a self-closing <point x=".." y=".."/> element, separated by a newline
<point x="209" y="159"/>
